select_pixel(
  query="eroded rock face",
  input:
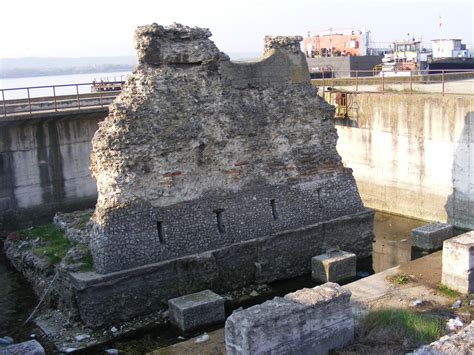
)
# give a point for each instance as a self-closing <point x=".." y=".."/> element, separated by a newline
<point x="200" y="153"/>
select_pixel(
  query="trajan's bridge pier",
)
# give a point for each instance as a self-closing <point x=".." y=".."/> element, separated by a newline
<point x="411" y="155"/>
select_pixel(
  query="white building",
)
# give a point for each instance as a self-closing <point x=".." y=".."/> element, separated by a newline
<point x="449" y="48"/>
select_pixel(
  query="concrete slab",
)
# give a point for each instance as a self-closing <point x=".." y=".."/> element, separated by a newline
<point x="196" y="310"/>
<point x="431" y="236"/>
<point x="458" y="263"/>
<point x="334" y="266"/>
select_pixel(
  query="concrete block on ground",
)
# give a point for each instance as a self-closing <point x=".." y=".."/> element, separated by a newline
<point x="334" y="266"/>
<point x="458" y="263"/>
<point x="308" y="321"/>
<point x="196" y="310"/>
<point x="431" y="236"/>
<point x="31" y="347"/>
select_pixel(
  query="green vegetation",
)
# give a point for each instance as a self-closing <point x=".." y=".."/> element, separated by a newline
<point x="401" y="325"/>
<point x="87" y="263"/>
<point x="53" y="243"/>
<point x="81" y="224"/>
<point x="445" y="290"/>
<point x="399" y="279"/>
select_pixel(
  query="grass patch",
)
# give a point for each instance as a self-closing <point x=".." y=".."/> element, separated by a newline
<point x="399" y="279"/>
<point x="445" y="290"/>
<point x="87" y="262"/>
<point x="81" y="224"/>
<point x="53" y="243"/>
<point x="402" y="325"/>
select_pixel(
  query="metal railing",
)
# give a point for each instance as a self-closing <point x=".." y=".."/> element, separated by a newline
<point x="55" y="98"/>
<point x="441" y="82"/>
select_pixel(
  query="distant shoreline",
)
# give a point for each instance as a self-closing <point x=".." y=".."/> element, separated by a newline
<point x="36" y="72"/>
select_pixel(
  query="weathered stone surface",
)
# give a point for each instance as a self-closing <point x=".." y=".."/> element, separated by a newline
<point x="458" y="263"/>
<point x="31" y="347"/>
<point x="175" y="44"/>
<point x="196" y="310"/>
<point x="461" y="343"/>
<point x="199" y="153"/>
<point x="308" y="321"/>
<point x="111" y="298"/>
<point x="334" y="266"/>
<point x="431" y="236"/>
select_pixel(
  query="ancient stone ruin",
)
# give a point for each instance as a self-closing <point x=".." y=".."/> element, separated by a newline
<point x="200" y="153"/>
<point x="213" y="174"/>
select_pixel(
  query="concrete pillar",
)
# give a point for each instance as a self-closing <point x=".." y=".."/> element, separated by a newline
<point x="431" y="236"/>
<point x="334" y="266"/>
<point x="196" y="310"/>
<point x="458" y="263"/>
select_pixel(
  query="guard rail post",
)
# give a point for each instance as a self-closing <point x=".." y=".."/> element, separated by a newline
<point x="55" y="102"/>
<point x="357" y="81"/>
<point x="442" y="81"/>
<point x="78" y="99"/>
<point x="4" y="106"/>
<point x="29" y="99"/>
<point x="383" y="83"/>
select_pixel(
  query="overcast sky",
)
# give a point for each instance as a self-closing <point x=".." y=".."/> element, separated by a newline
<point x="61" y="28"/>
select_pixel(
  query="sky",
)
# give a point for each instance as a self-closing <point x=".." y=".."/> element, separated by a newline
<point x="61" y="28"/>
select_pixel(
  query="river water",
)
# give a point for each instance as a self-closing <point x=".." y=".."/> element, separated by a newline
<point x="84" y="79"/>
<point x="391" y="247"/>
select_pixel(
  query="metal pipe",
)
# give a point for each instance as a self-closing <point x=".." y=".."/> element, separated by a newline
<point x="411" y="82"/>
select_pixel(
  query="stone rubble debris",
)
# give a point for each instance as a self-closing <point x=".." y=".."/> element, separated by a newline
<point x="202" y="338"/>
<point x="416" y="303"/>
<point x="460" y="343"/>
<point x="82" y="337"/>
<point x="6" y="341"/>
<point x="454" y="323"/>
<point x="456" y="304"/>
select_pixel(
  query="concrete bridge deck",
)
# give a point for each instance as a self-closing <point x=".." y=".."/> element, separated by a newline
<point x="46" y="105"/>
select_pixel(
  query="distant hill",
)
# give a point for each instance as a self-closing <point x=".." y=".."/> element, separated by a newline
<point x="43" y="66"/>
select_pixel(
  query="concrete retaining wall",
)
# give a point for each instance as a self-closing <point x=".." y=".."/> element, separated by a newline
<point x="44" y="167"/>
<point x="412" y="154"/>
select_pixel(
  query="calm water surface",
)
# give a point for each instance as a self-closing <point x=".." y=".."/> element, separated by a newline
<point x="55" y="80"/>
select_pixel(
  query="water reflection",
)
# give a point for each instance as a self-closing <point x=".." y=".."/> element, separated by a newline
<point x="16" y="301"/>
<point x="392" y="244"/>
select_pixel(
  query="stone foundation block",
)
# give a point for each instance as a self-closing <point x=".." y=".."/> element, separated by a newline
<point x="31" y="347"/>
<point x="334" y="266"/>
<point x="458" y="263"/>
<point x="196" y="310"/>
<point x="308" y="321"/>
<point x="431" y="236"/>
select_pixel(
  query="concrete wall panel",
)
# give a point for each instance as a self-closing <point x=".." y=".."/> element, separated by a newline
<point x="413" y="155"/>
